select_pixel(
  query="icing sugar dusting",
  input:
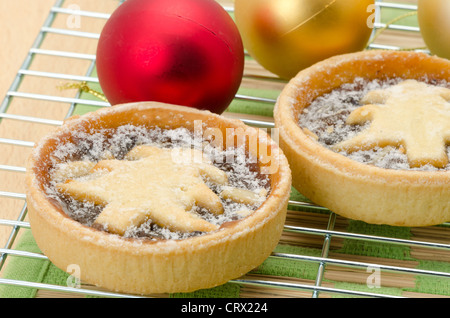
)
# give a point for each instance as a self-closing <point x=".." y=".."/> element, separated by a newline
<point x="325" y="119"/>
<point x="241" y="170"/>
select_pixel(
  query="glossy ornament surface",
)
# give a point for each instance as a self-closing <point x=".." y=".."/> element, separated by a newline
<point x="286" y="36"/>
<point x="434" y="22"/>
<point x="184" y="52"/>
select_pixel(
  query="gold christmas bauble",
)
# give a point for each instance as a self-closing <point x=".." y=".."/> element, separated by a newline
<point x="434" y="22"/>
<point x="286" y="36"/>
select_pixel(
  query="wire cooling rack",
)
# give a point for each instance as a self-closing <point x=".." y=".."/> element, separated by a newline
<point x="310" y="227"/>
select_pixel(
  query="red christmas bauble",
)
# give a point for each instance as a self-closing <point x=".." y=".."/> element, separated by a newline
<point x="184" y="52"/>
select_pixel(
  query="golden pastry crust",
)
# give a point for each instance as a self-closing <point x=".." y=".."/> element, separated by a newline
<point x="140" y="266"/>
<point x="349" y="188"/>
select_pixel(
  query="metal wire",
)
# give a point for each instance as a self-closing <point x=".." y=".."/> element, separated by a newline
<point x="328" y="234"/>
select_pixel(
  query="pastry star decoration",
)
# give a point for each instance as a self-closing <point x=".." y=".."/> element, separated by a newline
<point x="157" y="183"/>
<point x="411" y="115"/>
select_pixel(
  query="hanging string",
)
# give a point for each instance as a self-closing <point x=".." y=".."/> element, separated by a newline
<point x="311" y="17"/>
<point x="388" y="24"/>
<point x="84" y="87"/>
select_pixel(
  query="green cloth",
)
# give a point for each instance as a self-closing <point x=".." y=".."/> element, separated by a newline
<point x="43" y="271"/>
<point x="25" y="269"/>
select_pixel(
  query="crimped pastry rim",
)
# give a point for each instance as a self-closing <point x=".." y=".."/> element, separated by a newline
<point x="43" y="213"/>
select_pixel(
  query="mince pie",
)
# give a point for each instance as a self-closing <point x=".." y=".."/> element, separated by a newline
<point x="367" y="135"/>
<point x="155" y="198"/>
